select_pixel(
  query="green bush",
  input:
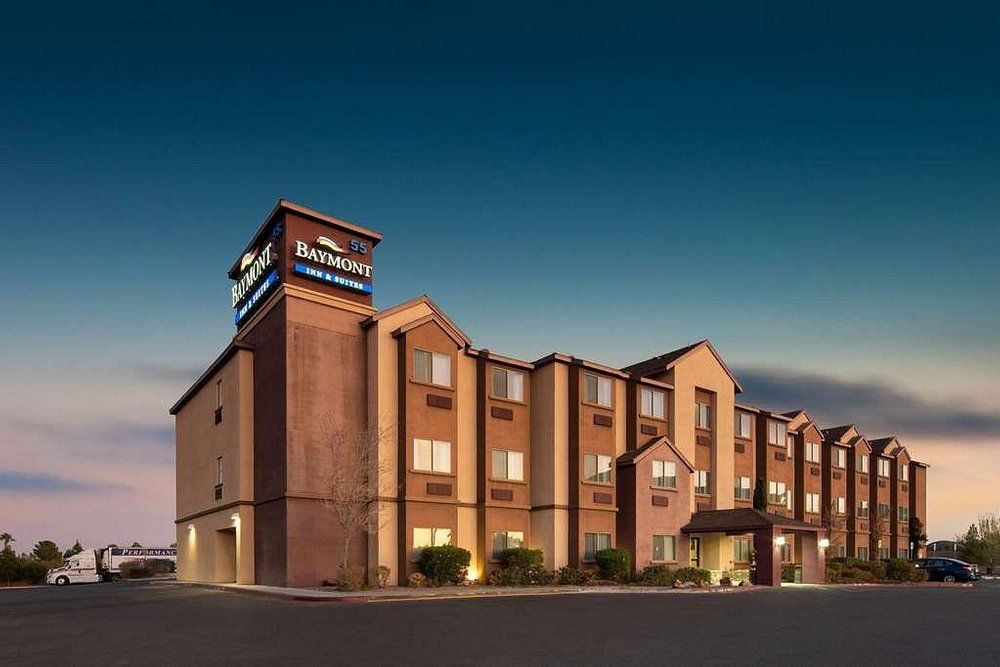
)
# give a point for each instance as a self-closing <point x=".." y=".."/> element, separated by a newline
<point x="32" y="570"/>
<point x="693" y="575"/>
<point x="572" y="576"/>
<point x="445" y="565"/>
<point x="854" y="571"/>
<point x="161" y="566"/>
<point x="521" y="557"/>
<point x="900" y="569"/>
<point x="535" y="575"/>
<point x="788" y="573"/>
<point x="135" y="569"/>
<point x="657" y="575"/>
<point x="613" y="565"/>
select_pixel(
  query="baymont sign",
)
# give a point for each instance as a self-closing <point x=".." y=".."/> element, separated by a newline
<point x="253" y="267"/>
<point x="329" y="254"/>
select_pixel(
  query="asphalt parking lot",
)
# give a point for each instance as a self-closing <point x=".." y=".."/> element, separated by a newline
<point x="163" y="623"/>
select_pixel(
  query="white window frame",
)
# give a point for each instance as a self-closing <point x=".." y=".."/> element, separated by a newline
<point x="437" y="539"/>
<point x="742" y="489"/>
<point x="813" y="452"/>
<point x="596" y="542"/>
<point x="652" y="403"/>
<point x="703" y="415"/>
<point x="218" y="394"/>
<point x="703" y="480"/>
<point x="863" y="553"/>
<point x="740" y="420"/>
<point x="435" y="449"/>
<point x="863" y="463"/>
<point x="602" y="394"/>
<point x="863" y="510"/>
<point x="510" y="472"/>
<point x="738" y="550"/>
<point x="840" y="505"/>
<point x="663" y="473"/>
<point x="668" y="548"/>
<point x="219" y="471"/>
<point x="812" y="503"/>
<point x="512" y="539"/>
<point x="440" y="365"/>
<point x="511" y="386"/>
<point x="602" y="465"/>
<point x="838" y="457"/>
<point x="777" y="493"/>
<point x="904" y="472"/>
<point x="884" y="467"/>
<point x="777" y="433"/>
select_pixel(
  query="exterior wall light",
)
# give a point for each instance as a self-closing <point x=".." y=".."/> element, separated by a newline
<point x="191" y="526"/>
<point x="779" y="540"/>
<point x="234" y="516"/>
<point x="824" y="543"/>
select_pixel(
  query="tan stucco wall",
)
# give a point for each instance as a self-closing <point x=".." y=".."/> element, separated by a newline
<point x="203" y="553"/>
<point x="550" y="463"/>
<point x="550" y="533"/>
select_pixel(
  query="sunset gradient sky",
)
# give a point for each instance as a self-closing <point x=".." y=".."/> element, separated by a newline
<point x="812" y="186"/>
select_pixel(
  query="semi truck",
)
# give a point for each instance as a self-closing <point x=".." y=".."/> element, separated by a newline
<point x="94" y="565"/>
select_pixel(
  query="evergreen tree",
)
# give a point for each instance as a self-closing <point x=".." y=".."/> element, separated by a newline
<point x="760" y="496"/>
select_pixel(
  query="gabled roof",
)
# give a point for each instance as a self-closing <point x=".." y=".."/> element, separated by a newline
<point x="449" y="331"/>
<point x="667" y="361"/>
<point x="444" y="320"/>
<point x="803" y="420"/>
<point x="889" y="446"/>
<point x="231" y="349"/>
<point x="743" y="519"/>
<point x="837" y="432"/>
<point x="630" y="458"/>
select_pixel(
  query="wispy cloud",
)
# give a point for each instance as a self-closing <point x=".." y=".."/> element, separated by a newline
<point x="878" y="407"/>
<point x="16" y="482"/>
<point x="167" y="373"/>
<point x="136" y="441"/>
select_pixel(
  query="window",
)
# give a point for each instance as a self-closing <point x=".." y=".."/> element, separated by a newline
<point x="218" y="395"/>
<point x="883" y="553"/>
<point x="862" y="509"/>
<point x="429" y="537"/>
<point x="741" y="549"/>
<point x="506" y="539"/>
<point x="862" y="553"/>
<point x="777" y="494"/>
<point x="432" y="368"/>
<point x="702" y="415"/>
<point x="597" y="390"/>
<point x="904" y="472"/>
<point x="431" y="455"/>
<point x="218" y="470"/>
<point x="839" y="457"/>
<point x="651" y="403"/>
<point x="812" y="503"/>
<point x="903" y="553"/>
<point x="741" y="426"/>
<point x="597" y="468"/>
<point x="664" y="548"/>
<point x="665" y="474"/>
<point x="777" y="432"/>
<point x="508" y="384"/>
<point x="787" y="550"/>
<point x="594" y="542"/>
<point x="742" y="489"/>
<point x="840" y="505"/>
<point x="812" y="452"/>
<point x="790" y="445"/>
<point x="702" y="481"/>
<point x="508" y="465"/>
<point x="903" y="513"/>
<point x="863" y="463"/>
<point x="883" y="511"/>
<point x="883" y="467"/>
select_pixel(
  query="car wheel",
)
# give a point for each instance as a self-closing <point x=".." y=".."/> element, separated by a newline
<point x="949" y="578"/>
<point x="62" y="581"/>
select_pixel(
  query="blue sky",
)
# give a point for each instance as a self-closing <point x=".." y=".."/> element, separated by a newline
<point x="811" y="186"/>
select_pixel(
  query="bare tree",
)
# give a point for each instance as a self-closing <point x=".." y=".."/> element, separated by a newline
<point x="877" y="526"/>
<point x="834" y="523"/>
<point x="353" y="486"/>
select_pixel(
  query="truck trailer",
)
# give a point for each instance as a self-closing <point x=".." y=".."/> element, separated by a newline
<point x="94" y="565"/>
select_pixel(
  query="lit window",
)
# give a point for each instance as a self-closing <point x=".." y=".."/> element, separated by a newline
<point x="665" y="474"/>
<point x="884" y="466"/>
<point x="812" y="503"/>
<point x="777" y="432"/>
<point x="903" y="513"/>
<point x="652" y="402"/>
<point x="862" y="509"/>
<point x="431" y="455"/>
<point x="863" y="463"/>
<point x="218" y="394"/>
<point x="664" y="548"/>
<point x="594" y="542"/>
<point x="508" y="465"/>
<point x="218" y="470"/>
<point x="597" y="390"/>
<point x="777" y="493"/>
<point x="812" y="452"/>
<point x="432" y="368"/>
<point x="840" y="505"/>
<point x="904" y="472"/>
<point x="741" y="549"/>
<point x="506" y="539"/>
<point x="597" y="468"/>
<point x="508" y="384"/>
<point x="702" y="415"/>
<point x="742" y="489"/>
<point x="429" y="537"/>
<point x="702" y="481"/>
<point x="839" y="457"/>
<point x="741" y="425"/>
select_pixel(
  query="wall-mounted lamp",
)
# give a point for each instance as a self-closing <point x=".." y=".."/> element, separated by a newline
<point x="190" y="526"/>
<point x="779" y="541"/>
<point x="824" y="543"/>
<point x="234" y="516"/>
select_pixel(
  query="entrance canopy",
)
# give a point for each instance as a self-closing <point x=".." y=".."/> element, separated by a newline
<point x="745" y="520"/>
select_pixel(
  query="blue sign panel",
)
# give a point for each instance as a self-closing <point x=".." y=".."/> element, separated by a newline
<point x="333" y="279"/>
<point x="254" y="299"/>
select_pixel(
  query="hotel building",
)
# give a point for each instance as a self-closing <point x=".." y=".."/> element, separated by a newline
<point x="485" y="451"/>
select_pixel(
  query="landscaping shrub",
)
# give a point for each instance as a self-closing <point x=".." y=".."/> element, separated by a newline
<point x="788" y="573"/>
<point x="900" y="569"/>
<point x="416" y="580"/>
<point x="657" y="575"/>
<point x="613" y="565"/>
<point x="379" y="576"/>
<point x="534" y="575"/>
<point x="521" y="557"/>
<point x="135" y="569"/>
<point x="854" y="571"/>
<point x="445" y="565"/>
<point x="350" y="578"/>
<point x="571" y="576"/>
<point x="693" y="575"/>
<point x="161" y="566"/>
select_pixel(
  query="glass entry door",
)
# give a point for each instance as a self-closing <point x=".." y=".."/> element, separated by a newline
<point x="695" y="552"/>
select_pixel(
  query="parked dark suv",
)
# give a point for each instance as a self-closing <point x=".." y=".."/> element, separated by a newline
<point x="947" y="569"/>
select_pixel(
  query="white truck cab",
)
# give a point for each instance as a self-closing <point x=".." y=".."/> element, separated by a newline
<point x="80" y="568"/>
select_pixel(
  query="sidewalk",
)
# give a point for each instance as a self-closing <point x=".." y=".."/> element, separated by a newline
<point x="403" y="593"/>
